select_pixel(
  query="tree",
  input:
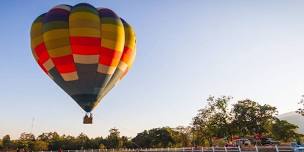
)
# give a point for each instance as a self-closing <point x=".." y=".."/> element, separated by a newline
<point x="52" y="138"/>
<point x="162" y="137"/>
<point x="183" y="138"/>
<point x="96" y="142"/>
<point x="283" y="130"/>
<point x="156" y="138"/>
<point x="68" y="142"/>
<point x="301" y="103"/>
<point x="26" y="141"/>
<point x="27" y="137"/>
<point x="113" y="140"/>
<point x="212" y="121"/>
<point x="40" y="145"/>
<point x="6" y="142"/>
<point x="83" y="141"/>
<point x="126" y="142"/>
<point x="251" y="118"/>
<point x="1" y="144"/>
<point x="142" y="140"/>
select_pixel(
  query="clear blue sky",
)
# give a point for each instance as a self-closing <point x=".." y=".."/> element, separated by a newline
<point x="187" y="50"/>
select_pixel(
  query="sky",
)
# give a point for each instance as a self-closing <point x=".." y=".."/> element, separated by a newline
<point x="186" y="51"/>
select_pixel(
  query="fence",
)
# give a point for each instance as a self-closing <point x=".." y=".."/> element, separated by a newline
<point x="195" y="149"/>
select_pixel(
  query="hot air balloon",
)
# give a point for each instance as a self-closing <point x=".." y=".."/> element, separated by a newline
<point x="84" y="50"/>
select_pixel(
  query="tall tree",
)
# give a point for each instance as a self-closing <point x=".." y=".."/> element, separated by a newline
<point x="212" y="121"/>
<point x="142" y="140"/>
<point x="114" y="140"/>
<point x="183" y="138"/>
<point x="83" y="141"/>
<point x="251" y="118"/>
<point x="54" y="140"/>
<point x="1" y="144"/>
<point x="283" y="130"/>
<point x="27" y="137"/>
<point x="6" y="142"/>
<point x="26" y="141"/>
<point x="39" y="145"/>
<point x="156" y="138"/>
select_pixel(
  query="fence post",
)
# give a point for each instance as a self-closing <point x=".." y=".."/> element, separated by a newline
<point x="225" y="148"/>
<point x="202" y="149"/>
<point x="240" y="150"/>
<point x="277" y="148"/>
<point x="192" y="148"/>
<point x="256" y="148"/>
<point x="213" y="149"/>
<point x="183" y="148"/>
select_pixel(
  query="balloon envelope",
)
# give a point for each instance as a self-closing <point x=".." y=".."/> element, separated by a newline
<point x="85" y="50"/>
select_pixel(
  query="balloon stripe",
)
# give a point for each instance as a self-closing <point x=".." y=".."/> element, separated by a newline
<point x="86" y="50"/>
<point x="64" y="64"/>
<point x="41" y="52"/>
<point x="109" y="57"/>
<point x="56" y="39"/>
<point x="86" y="59"/>
<point x="104" y="12"/>
<point x="85" y="9"/>
<point x="126" y="60"/>
<point x="56" y="14"/>
<point x="85" y="45"/>
<point x="55" y="34"/>
<point x="127" y="55"/>
<point x="55" y="25"/>
<point x="38" y="47"/>
<point x="48" y="64"/>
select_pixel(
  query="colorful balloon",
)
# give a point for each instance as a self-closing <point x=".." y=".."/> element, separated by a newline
<point x="85" y="50"/>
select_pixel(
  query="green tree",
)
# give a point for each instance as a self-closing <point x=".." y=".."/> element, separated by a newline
<point x="283" y="130"/>
<point x="1" y="144"/>
<point x="126" y="142"/>
<point x="251" y="118"/>
<point x="95" y="143"/>
<point x="53" y="138"/>
<point x="40" y="145"/>
<point x="67" y="142"/>
<point x="6" y="142"/>
<point x="26" y="141"/>
<point x="114" y="140"/>
<point x="212" y="121"/>
<point x="143" y="140"/>
<point x="83" y="141"/>
<point x="183" y="138"/>
<point x="156" y="138"/>
<point x="27" y="137"/>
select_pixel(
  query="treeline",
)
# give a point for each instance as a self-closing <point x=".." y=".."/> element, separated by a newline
<point x="218" y="122"/>
<point x="245" y="118"/>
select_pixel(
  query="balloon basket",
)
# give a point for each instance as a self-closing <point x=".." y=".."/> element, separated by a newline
<point x="88" y="119"/>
